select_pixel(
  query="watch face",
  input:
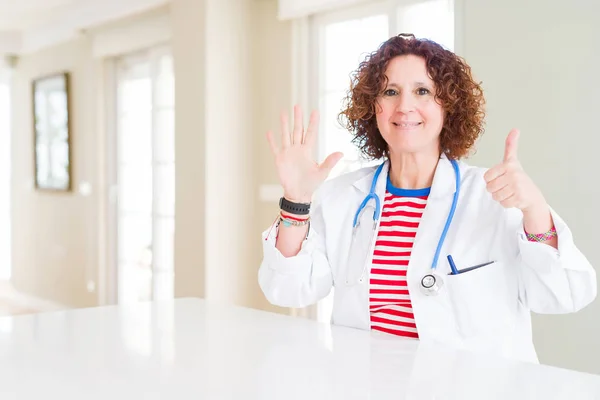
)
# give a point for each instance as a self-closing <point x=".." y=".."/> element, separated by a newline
<point x="428" y="281"/>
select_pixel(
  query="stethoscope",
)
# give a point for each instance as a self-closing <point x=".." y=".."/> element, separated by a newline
<point x="431" y="283"/>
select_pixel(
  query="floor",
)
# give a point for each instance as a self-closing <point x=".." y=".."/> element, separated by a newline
<point x="8" y="308"/>
<point x="13" y="303"/>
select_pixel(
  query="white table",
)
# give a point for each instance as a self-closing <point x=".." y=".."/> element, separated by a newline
<point x="190" y="349"/>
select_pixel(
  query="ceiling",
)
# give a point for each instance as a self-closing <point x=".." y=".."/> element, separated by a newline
<point x="23" y="14"/>
<point x="29" y="25"/>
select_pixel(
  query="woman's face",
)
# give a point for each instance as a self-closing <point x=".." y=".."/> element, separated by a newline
<point x="408" y="117"/>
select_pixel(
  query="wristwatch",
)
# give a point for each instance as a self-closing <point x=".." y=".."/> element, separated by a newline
<point x="294" y="208"/>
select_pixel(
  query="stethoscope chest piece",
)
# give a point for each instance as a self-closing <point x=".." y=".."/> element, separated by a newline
<point x="431" y="284"/>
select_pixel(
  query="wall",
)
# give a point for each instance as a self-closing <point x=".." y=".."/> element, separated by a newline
<point x="189" y="58"/>
<point x="232" y="67"/>
<point x="5" y="167"/>
<point x="54" y="236"/>
<point x="272" y="84"/>
<point x="295" y="9"/>
<point x="229" y="106"/>
<point x="232" y="79"/>
<point x="246" y="59"/>
<point x="59" y="239"/>
<point x="538" y="63"/>
<point x="219" y="99"/>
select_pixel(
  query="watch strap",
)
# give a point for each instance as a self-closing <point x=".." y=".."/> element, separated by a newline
<point x="294" y="208"/>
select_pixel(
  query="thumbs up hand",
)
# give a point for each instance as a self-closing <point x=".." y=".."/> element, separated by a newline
<point x="509" y="184"/>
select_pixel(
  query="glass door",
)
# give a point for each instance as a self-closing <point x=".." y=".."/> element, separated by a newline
<point x="145" y="176"/>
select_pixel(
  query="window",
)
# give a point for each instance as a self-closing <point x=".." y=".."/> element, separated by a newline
<point x="344" y="38"/>
<point x="343" y="44"/>
<point x="341" y="40"/>
<point x="145" y="176"/>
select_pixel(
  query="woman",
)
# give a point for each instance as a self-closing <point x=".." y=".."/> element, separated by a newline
<point x="440" y="250"/>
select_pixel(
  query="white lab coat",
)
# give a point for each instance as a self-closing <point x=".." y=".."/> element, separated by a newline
<point x="485" y="310"/>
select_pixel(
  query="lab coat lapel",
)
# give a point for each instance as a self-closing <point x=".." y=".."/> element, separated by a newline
<point x="363" y="238"/>
<point x="432" y="224"/>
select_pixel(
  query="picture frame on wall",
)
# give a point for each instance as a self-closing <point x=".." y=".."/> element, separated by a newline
<point x="52" y="132"/>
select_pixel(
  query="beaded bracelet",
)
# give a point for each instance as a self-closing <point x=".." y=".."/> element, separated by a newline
<point x="542" y="237"/>
<point x="291" y="221"/>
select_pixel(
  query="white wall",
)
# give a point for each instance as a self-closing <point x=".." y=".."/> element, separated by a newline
<point x="538" y="61"/>
<point x="5" y="167"/>
<point x="232" y="68"/>
<point x="229" y="158"/>
<point x="295" y="8"/>
<point x="221" y="49"/>
<point x="58" y="243"/>
<point x="54" y="235"/>
<point x="272" y="90"/>
<point x="189" y="58"/>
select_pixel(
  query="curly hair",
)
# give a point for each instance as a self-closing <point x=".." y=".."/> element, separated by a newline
<point x="459" y="95"/>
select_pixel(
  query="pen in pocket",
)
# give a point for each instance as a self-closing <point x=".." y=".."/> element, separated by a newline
<point x="456" y="271"/>
<point x="452" y="265"/>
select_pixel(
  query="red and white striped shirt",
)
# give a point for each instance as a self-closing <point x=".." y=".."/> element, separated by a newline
<point x="389" y="300"/>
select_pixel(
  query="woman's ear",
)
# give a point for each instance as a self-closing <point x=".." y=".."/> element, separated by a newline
<point x="377" y="107"/>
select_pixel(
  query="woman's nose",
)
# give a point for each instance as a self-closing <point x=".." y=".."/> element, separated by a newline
<point x="405" y="103"/>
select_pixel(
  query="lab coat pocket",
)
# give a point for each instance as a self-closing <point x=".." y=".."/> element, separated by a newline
<point x="484" y="300"/>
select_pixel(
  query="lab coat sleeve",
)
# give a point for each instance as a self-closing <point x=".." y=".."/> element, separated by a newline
<point x="301" y="280"/>
<point x="553" y="281"/>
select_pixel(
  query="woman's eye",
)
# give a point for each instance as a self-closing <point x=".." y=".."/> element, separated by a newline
<point x="423" y="91"/>
<point x="390" y="92"/>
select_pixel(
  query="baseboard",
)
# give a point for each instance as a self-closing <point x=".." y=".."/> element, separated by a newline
<point x="23" y="300"/>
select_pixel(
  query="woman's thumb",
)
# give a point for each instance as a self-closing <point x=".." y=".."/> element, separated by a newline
<point x="330" y="162"/>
